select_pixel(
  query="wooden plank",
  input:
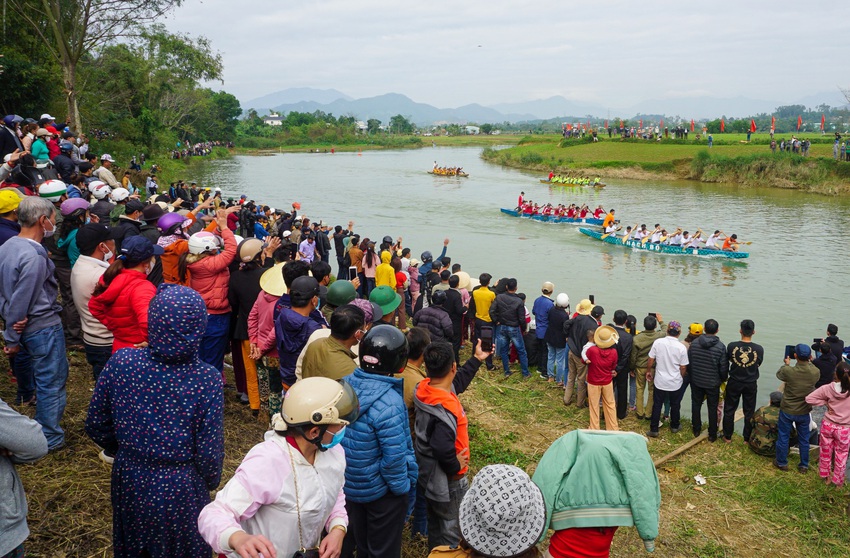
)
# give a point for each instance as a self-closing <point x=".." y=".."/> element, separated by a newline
<point x="739" y="414"/>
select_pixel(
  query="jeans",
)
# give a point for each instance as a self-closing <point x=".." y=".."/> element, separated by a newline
<point x="632" y="390"/>
<point x="712" y="395"/>
<point x="46" y="347"/>
<point x="444" y="517"/>
<point x="97" y="356"/>
<point x="658" y="397"/>
<point x="15" y="552"/>
<point x="21" y="365"/>
<point x="508" y="334"/>
<point x="734" y="392"/>
<point x="556" y="366"/>
<point x="363" y="289"/>
<point x="419" y="525"/>
<point x="782" y="442"/>
<point x="377" y="526"/>
<point x="214" y="343"/>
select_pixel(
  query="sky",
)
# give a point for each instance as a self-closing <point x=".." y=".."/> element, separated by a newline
<point x="451" y="53"/>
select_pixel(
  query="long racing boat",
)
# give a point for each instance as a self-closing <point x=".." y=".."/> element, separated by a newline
<point x="553" y="219"/>
<point x="459" y="175"/>
<point x="663" y="248"/>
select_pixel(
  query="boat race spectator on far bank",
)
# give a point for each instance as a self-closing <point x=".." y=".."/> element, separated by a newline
<point x="28" y="297"/>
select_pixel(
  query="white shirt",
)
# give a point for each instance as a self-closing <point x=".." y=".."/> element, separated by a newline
<point x="712" y="241"/>
<point x="84" y="277"/>
<point x="695" y="242"/>
<point x="669" y="354"/>
<point x="656" y="237"/>
<point x="640" y="233"/>
<point x="675" y="240"/>
<point x="610" y="229"/>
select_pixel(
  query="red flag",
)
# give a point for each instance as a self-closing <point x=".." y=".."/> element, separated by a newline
<point x="772" y="123"/>
<point x="661" y="124"/>
<point x="722" y="125"/>
<point x="752" y="125"/>
<point x="799" y="122"/>
<point x="621" y="123"/>
<point x="640" y="124"/>
<point x="569" y="126"/>
<point x="822" y="122"/>
<point x="606" y="124"/>
<point x="692" y="124"/>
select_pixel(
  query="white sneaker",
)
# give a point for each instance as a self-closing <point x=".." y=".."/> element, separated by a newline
<point x="107" y="458"/>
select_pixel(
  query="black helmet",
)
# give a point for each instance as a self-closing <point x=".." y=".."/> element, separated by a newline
<point x="383" y="350"/>
<point x="388" y="240"/>
<point x="426" y="257"/>
<point x="438" y="298"/>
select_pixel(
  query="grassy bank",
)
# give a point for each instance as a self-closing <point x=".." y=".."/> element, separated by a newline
<point x="747" y="509"/>
<point x="264" y="146"/>
<point x="730" y="160"/>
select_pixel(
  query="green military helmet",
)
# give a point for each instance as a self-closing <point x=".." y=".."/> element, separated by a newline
<point x="340" y="292"/>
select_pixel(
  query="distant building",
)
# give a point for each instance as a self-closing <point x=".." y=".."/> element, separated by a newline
<point x="473" y="130"/>
<point x="273" y="120"/>
<point x="361" y="126"/>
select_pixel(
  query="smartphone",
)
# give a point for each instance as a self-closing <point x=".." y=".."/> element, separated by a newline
<point x="654" y="315"/>
<point x="789" y="351"/>
<point x="352" y="272"/>
<point x="592" y="299"/>
<point x="487" y="338"/>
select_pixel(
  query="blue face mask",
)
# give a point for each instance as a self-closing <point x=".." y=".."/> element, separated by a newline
<point x="336" y="440"/>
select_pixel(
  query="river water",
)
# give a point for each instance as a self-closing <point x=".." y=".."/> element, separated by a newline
<point x="792" y="285"/>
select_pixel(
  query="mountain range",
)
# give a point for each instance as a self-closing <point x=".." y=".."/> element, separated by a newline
<point x="384" y="107"/>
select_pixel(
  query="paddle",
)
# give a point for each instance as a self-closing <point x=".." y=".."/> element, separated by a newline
<point x="645" y="239"/>
<point x="606" y="235"/>
<point x="625" y="238"/>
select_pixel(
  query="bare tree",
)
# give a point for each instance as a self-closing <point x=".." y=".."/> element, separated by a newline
<point x="70" y="29"/>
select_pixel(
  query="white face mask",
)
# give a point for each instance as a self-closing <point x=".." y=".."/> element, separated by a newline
<point x="49" y="233"/>
<point x="108" y="254"/>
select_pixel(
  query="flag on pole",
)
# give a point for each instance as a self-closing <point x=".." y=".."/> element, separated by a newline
<point x="692" y="125"/>
<point x="752" y="126"/>
<point x="661" y="124"/>
<point x="822" y="121"/>
<point x="722" y="125"/>
<point x="606" y="123"/>
<point x="640" y="125"/>
<point x="799" y="122"/>
<point x="772" y="123"/>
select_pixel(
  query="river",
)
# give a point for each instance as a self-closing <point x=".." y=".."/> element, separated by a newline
<point x="792" y="285"/>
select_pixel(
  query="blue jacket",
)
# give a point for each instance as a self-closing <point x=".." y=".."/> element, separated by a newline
<point x="378" y="445"/>
<point x="8" y="229"/>
<point x="541" y="308"/>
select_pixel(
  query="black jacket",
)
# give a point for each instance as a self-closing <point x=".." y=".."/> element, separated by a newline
<point x="508" y="309"/>
<point x="125" y="229"/>
<point x="65" y="167"/>
<point x="624" y="349"/>
<point x="708" y="366"/>
<point x="555" y="332"/>
<point x="436" y="320"/>
<point x="9" y="141"/>
<point x="454" y="306"/>
<point x="576" y="331"/>
<point x="837" y="346"/>
<point x="152" y="233"/>
<point x="242" y="293"/>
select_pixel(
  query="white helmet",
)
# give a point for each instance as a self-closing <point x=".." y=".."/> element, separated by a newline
<point x="94" y="184"/>
<point x="120" y="194"/>
<point x="562" y="300"/>
<point x="317" y="401"/>
<point x="202" y="243"/>
<point x="101" y="191"/>
<point x="52" y="190"/>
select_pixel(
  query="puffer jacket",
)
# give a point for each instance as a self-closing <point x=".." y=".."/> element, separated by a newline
<point x="708" y="366"/>
<point x="508" y="310"/>
<point x="123" y="308"/>
<point x="378" y="445"/>
<point x="436" y="320"/>
<point x="292" y="330"/>
<point x="385" y="274"/>
<point x="170" y="260"/>
<point x="211" y="276"/>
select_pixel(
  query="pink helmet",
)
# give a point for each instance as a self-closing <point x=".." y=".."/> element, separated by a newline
<point x="168" y="223"/>
<point x="74" y="205"/>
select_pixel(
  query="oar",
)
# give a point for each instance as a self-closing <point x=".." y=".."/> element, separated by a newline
<point x="645" y="239"/>
<point x="623" y="240"/>
<point x="606" y="235"/>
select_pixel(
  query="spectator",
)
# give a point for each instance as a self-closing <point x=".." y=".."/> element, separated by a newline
<point x="799" y="381"/>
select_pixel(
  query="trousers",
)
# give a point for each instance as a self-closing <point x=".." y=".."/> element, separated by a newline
<point x="576" y="381"/>
<point x="606" y="393"/>
<point x="834" y="446"/>
<point x="377" y="526"/>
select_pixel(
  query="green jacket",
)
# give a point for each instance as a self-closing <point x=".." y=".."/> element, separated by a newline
<point x="327" y="358"/>
<point x="594" y="478"/>
<point x="799" y="381"/>
<point x="641" y="343"/>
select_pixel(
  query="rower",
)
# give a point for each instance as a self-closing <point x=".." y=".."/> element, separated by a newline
<point x="696" y="241"/>
<point x="731" y="243"/>
<point x="612" y="228"/>
<point x="551" y="175"/>
<point x="641" y="233"/>
<point x="675" y="239"/>
<point x="627" y="235"/>
<point x="711" y="242"/>
<point x="521" y="197"/>
<point x="655" y="237"/>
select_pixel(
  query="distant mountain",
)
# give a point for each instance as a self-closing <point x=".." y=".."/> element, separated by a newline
<point x="832" y="98"/>
<point x="553" y="107"/>
<point x="293" y="95"/>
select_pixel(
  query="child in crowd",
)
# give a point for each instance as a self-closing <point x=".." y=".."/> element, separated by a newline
<point x="835" y="428"/>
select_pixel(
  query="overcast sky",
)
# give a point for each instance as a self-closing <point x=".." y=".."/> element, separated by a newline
<point x="450" y="53"/>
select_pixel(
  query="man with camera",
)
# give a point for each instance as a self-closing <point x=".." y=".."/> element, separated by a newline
<point x="800" y="381"/>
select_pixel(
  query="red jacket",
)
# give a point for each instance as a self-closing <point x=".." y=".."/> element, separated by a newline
<point x="600" y="371"/>
<point x="211" y="276"/>
<point x="123" y="308"/>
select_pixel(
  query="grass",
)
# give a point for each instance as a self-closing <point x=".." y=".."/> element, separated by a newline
<point x="747" y="509"/>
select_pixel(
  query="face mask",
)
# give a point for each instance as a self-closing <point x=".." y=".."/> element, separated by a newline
<point x="108" y="254"/>
<point x="336" y="440"/>
<point x="148" y="269"/>
<point x="49" y="233"/>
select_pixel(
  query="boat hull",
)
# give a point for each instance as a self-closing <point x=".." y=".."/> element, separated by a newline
<point x="549" y="219"/>
<point x="461" y="175"/>
<point x="663" y="249"/>
<point x="597" y="185"/>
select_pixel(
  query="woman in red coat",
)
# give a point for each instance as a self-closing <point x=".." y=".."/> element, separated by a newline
<point x="121" y="298"/>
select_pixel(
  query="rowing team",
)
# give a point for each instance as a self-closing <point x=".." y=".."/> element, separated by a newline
<point x="572" y="211"/>
<point x="559" y="179"/>
<point x="447" y="171"/>
<point x="716" y="241"/>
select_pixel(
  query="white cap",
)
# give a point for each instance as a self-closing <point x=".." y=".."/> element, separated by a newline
<point x="107" y="157"/>
<point x="271" y="210"/>
<point x="45" y="115"/>
<point x="218" y="189"/>
<point x="287" y="234"/>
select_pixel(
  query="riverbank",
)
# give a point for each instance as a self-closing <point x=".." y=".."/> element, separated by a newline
<point x="748" y="508"/>
<point x="245" y="146"/>
<point x="729" y="161"/>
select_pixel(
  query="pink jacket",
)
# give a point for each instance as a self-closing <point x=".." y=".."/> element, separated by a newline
<point x="838" y="404"/>
<point x="261" y="324"/>
<point x="211" y="276"/>
<point x="413" y="271"/>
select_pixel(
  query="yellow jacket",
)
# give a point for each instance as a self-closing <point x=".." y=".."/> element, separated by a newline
<point x="384" y="273"/>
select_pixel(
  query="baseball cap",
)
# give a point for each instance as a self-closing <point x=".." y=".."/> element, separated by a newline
<point x="107" y="157"/>
<point x="9" y="200"/>
<point x="92" y="234"/>
<point x="695" y="329"/>
<point x="138" y="249"/>
<point x="548" y="287"/>
<point x="133" y="206"/>
<point x="47" y="116"/>
<point x="371" y="310"/>
<point x="597" y="312"/>
<point x="674" y="325"/>
<point x="304" y="288"/>
<point x="802" y="351"/>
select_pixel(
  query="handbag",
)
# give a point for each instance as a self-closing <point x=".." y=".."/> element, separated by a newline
<point x="301" y="552"/>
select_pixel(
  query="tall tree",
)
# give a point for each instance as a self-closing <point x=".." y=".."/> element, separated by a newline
<point x="71" y="29"/>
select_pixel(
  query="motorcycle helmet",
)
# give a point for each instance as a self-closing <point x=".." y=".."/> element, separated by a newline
<point x="318" y="402"/>
<point x="249" y="249"/>
<point x="426" y="256"/>
<point x="120" y="194"/>
<point x="169" y="223"/>
<point x="383" y="350"/>
<point x="340" y="292"/>
<point x="101" y="191"/>
<point x="202" y="242"/>
<point x="73" y="206"/>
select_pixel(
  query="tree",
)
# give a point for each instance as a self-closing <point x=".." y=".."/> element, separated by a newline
<point x="373" y="125"/>
<point x="486" y="128"/>
<point x="400" y="125"/>
<point x="73" y="29"/>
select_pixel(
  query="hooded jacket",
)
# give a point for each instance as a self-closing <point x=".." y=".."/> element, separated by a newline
<point x="594" y="478"/>
<point x="123" y="308"/>
<point x="576" y="331"/>
<point x="211" y="276"/>
<point x="292" y="330"/>
<point x="384" y="273"/>
<point x="708" y="366"/>
<point x="508" y="309"/>
<point x="261" y="330"/>
<point x="378" y="445"/>
<point x="437" y="321"/>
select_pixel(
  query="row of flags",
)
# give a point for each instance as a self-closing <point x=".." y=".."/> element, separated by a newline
<point x="752" y="128"/>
